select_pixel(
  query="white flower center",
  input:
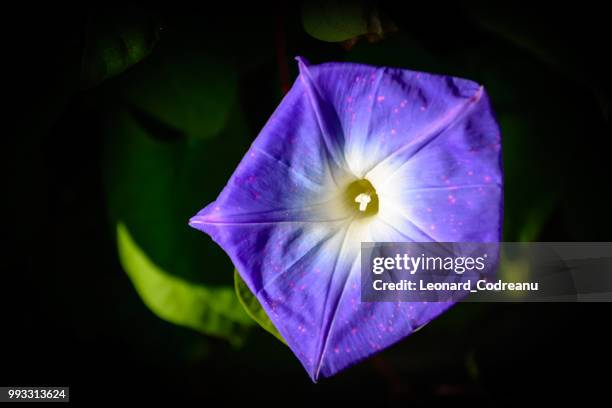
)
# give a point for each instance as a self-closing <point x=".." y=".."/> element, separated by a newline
<point x="363" y="199"/>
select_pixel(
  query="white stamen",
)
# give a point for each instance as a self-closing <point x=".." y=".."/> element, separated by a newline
<point x="363" y="199"/>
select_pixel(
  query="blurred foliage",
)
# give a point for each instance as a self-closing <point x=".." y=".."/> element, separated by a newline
<point x="157" y="177"/>
<point x="186" y="91"/>
<point x="253" y="307"/>
<point x="345" y="21"/>
<point x="114" y="41"/>
<point x="557" y="52"/>
<point x="176" y="300"/>
<point x="336" y="21"/>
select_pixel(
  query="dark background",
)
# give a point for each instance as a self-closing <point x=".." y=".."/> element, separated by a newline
<point x="71" y="315"/>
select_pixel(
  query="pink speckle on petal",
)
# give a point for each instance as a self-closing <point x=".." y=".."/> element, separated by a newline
<point x="380" y="98"/>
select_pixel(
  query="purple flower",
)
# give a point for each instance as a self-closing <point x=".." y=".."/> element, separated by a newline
<point x="355" y="153"/>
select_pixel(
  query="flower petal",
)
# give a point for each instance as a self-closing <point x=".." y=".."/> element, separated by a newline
<point x="386" y="112"/>
<point x="362" y="329"/>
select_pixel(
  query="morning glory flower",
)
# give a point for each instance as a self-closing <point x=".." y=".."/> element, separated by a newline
<point x="353" y="154"/>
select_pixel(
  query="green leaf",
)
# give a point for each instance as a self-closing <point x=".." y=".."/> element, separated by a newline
<point x="154" y="183"/>
<point x="184" y="91"/>
<point x="177" y="300"/>
<point x="115" y="42"/>
<point x="253" y="307"/>
<point x="335" y="21"/>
